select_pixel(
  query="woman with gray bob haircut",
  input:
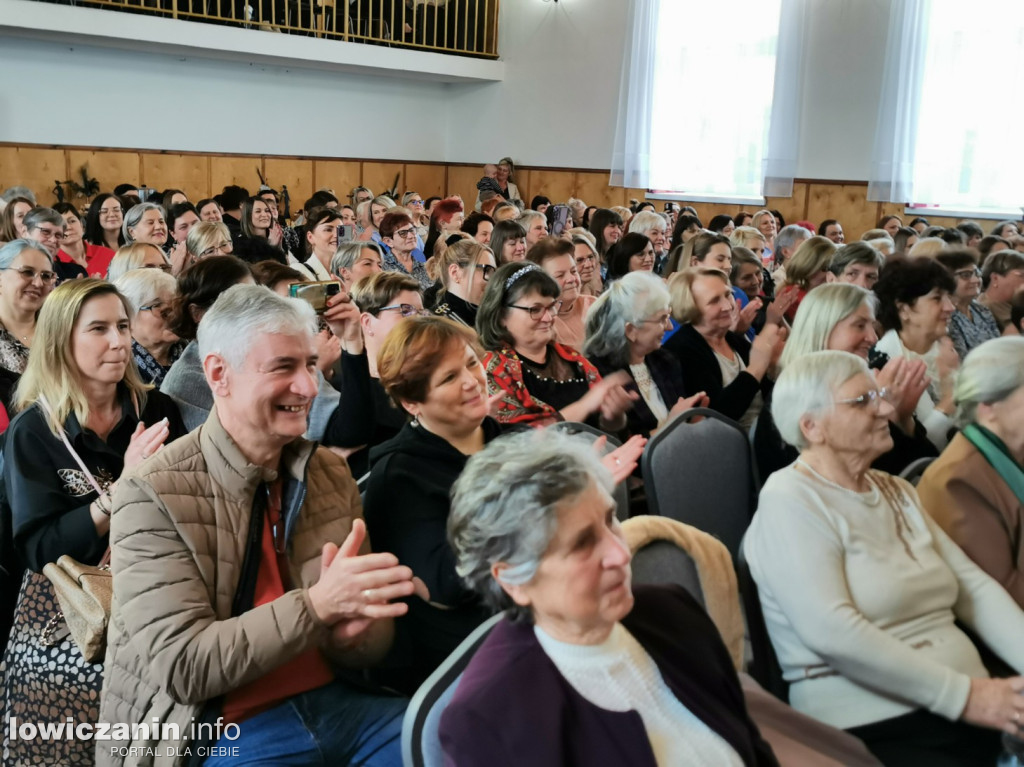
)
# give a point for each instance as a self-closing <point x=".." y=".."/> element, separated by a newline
<point x="354" y="260"/>
<point x="624" y="330"/>
<point x="145" y="223"/>
<point x="975" y="489"/>
<point x="583" y="664"/>
<point x="861" y="590"/>
<point x="155" y="346"/>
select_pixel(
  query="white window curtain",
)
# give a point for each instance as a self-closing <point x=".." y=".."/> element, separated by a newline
<point x="674" y="134"/>
<point x="948" y="127"/>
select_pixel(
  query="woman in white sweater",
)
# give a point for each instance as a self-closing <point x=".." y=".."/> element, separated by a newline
<point x="914" y="306"/>
<point x="860" y="588"/>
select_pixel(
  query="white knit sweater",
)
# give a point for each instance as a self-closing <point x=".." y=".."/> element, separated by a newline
<point x="619" y="675"/>
<point x="860" y="601"/>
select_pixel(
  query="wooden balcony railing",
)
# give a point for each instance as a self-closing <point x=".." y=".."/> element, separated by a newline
<point x="464" y="27"/>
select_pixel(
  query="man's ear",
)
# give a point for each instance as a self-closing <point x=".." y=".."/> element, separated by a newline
<point x="218" y="374"/>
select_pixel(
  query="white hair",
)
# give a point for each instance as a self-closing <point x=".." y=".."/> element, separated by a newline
<point x="631" y="299"/>
<point x="807" y="387"/>
<point x="645" y="221"/>
<point x="990" y="373"/>
<point x="242" y="313"/>
<point x="143" y="286"/>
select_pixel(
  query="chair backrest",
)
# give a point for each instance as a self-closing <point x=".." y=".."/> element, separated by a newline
<point x="421" y="742"/>
<point x="664" y="562"/>
<point x="764" y="666"/>
<point x="915" y="469"/>
<point x="621" y="493"/>
<point x="702" y="474"/>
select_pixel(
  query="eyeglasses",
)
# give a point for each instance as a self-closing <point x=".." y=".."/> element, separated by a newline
<point x="161" y="267"/>
<point x="406" y="310"/>
<point x="220" y="250"/>
<point x="56" y="234"/>
<point x="418" y="203"/>
<point x="537" y="311"/>
<point x="656" y="320"/>
<point x="405" y="232"/>
<point x="159" y="308"/>
<point x="967" y="274"/>
<point x="487" y="270"/>
<point x="28" y="274"/>
<point x="873" y="397"/>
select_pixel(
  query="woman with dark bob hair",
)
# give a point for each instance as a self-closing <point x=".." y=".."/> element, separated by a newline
<point x="914" y="307"/>
<point x="585" y="665"/>
<point x="539" y="380"/>
<point x="633" y="253"/>
<point x="260" y="236"/>
<point x="508" y="241"/>
<point x="103" y="221"/>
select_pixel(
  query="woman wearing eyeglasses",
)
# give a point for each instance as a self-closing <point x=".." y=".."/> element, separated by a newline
<point x="155" y="347"/>
<point x="540" y="380"/>
<point x="26" y="279"/>
<point x="381" y="301"/>
<point x="103" y="222"/>
<point x="208" y="238"/>
<point x="413" y="202"/>
<point x="971" y="324"/>
<point x="138" y="255"/>
<point x="557" y="257"/>
<point x="465" y="268"/>
<point x="398" y="233"/>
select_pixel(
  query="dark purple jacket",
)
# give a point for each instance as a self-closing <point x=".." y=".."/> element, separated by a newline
<point x="513" y="707"/>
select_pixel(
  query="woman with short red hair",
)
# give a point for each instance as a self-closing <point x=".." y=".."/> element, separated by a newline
<point x="445" y="219"/>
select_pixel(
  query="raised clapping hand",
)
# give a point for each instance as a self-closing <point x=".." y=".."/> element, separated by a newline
<point x="145" y="441"/>
<point x="996" y="703"/>
<point x="776" y="312"/>
<point x="354" y="590"/>
<point x="610" y="396"/>
<point x="622" y="460"/>
<point x="905" y="380"/>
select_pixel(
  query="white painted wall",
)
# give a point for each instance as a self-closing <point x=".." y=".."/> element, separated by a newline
<point x="553" y="106"/>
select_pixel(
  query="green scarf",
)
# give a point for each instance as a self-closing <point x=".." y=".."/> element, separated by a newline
<point x="998" y="457"/>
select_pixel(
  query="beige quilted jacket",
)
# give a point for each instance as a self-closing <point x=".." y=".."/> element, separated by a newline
<point x="178" y="534"/>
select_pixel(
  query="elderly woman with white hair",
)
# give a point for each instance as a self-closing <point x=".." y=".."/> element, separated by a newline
<point x="652" y="226"/>
<point x="975" y="489"/>
<point x="584" y="668"/>
<point x="861" y="589"/>
<point x="624" y="330"/>
<point x="841" y="317"/>
<point x="155" y="346"/>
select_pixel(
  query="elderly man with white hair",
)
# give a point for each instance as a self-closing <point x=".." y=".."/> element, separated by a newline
<point x="861" y="589"/>
<point x="234" y="604"/>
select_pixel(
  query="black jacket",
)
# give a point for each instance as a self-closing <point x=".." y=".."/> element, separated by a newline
<point x="365" y="415"/>
<point x="49" y="496"/>
<point x="252" y="250"/>
<point x="406" y="510"/>
<point x="667" y="375"/>
<point x="701" y="372"/>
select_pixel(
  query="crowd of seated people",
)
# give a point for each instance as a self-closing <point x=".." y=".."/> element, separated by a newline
<point x="190" y="392"/>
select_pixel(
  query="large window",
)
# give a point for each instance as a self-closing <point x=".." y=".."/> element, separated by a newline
<point x="709" y="105"/>
<point x="714" y="77"/>
<point x="950" y="124"/>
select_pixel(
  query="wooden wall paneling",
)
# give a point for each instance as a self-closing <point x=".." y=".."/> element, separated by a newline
<point x="847" y="203"/>
<point x="792" y="208"/>
<point x="427" y="180"/>
<point x="556" y="185"/>
<point x="228" y="170"/>
<point x="889" y="209"/>
<point x="187" y="172"/>
<point x="524" y="182"/>
<point x="338" y="175"/>
<point x="108" y="167"/>
<point x="634" y="194"/>
<point x="378" y="177"/>
<point x="296" y="174"/>
<point x="37" y="168"/>
<point x="593" y="189"/>
<point x="462" y="181"/>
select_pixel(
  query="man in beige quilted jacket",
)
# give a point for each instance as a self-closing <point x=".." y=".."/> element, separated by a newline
<point x="235" y="612"/>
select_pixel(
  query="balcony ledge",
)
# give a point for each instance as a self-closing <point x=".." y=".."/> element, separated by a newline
<point x="100" y="27"/>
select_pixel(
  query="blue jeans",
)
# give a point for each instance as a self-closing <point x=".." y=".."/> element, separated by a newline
<point x="332" y="725"/>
